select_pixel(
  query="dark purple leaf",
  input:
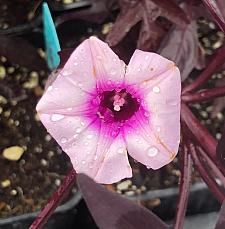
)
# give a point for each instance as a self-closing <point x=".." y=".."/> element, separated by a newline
<point x="21" y="52"/>
<point x="221" y="221"/>
<point x="182" y="46"/>
<point x="146" y="11"/>
<point x="113" y="211"/>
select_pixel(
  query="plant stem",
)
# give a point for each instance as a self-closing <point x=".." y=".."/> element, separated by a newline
<point x="217" y="60"/>
<point x="200" y="132"/>
<point x="206" y="176"/>
<point x="184" y="187"/>
<point x="212" y="8"/>
<point x="54" y="201"/>
<point x="204" y="95"/>
<point x="205" y="158"/>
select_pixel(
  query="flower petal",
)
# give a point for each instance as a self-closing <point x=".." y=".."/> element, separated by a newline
<point x="160" y="137"/>
<point x="115" y="166"/>
<point x="94" y="60"/>
<point x="146" y="66"/>
<point x="90" y="146"/>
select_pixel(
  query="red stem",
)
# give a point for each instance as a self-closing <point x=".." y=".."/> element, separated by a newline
<point x="213" y="11"/>
<point x="204" y="95"/>
<point x="206" y="176"/>
<point x="54" y="201"/>
<point x="202" y="135"/>
<point x="205" y="158"/>
<point x="217" y="60"/>
<point x="184" y="188"/>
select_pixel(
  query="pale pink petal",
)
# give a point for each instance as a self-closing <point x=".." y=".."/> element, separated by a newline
<point x="90" y="146"/>
<point x="161" y="135"/>
<point x="92" y="64"/>
<point x="94" y="60"/>
<point x="115" y="165"/>
<point x="145" y="66"/>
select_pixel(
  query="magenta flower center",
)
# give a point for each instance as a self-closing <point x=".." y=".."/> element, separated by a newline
<point x="117" y="106"/>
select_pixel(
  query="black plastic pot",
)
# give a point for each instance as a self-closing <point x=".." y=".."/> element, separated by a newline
<point x="201" y="200"/>
<point x="62" y="218"/>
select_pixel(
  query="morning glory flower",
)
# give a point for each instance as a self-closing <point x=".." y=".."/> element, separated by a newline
<point x="99" y="110"/>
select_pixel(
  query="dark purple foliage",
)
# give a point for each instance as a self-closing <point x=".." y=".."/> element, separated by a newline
<point x="112" y="211"/>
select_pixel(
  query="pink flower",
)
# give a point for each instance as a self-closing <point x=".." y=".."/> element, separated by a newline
<point x="98" y="110"/>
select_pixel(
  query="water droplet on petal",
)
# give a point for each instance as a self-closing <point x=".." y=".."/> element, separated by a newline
<point x="56" y="117"/>
<point x="75" y="63"/>
<point x="78" y="130"/>
<point x="113" y="71"/>
<point x="96" y="157"/>
<point x="86" y="143"/>
<point x="152" y="151"/>
<point x="138" y="69"/>
<point x="75" y="135"/>
<point x="50" y="88"/>
<point x="90" y="136"/>
<point x="82" y="123"/>
<point x="120" y="151"/>
<point x="158" y="128"/>
<point x="63" y="140"/>
<point x="69" y="109"/>
<point x="66" y="73"/>
<point x="156" y="89"/>
<point x="83" y="162"/>
<point x="146" y="57"/>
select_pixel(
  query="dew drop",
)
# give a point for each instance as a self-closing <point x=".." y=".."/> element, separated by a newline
<point x="146" y="57"/>
<point x="156" y="89"/>
<point x="158" y="128"/>
<point x="50" y="88"/>
<point x="63" y="140"/>
<point x="138" y="69"/>
<point x="69" y="109"/>
<point x="83" y="162"/>
<point x="66" y="73"/>
<point x="86" y="143"/>
<point x="75" y="135"/>
<point x="96" y="157"/>
<point x="120" y="151"/>
<point x="152" y="151"/>
<point x="82" y="123"/>
<point x="113" y="71"/>
<point x="90" y="136"/>
<point x="90" y="165"/>
<point x="80" y="84"/>
<point x="75" y="63"/>
<point x="56" y="117"/>
<point x="78" y="130"/>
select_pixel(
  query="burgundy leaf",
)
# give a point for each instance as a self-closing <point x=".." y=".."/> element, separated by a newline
<point x="146" y="11"/>
<point x="171" y="11"/>
<point x="182" y="46"/>
<point x="112" y="211"/>
<point x="124" y="22"/>
<point x="221" y="221"/>
<point x="21" y="52"/>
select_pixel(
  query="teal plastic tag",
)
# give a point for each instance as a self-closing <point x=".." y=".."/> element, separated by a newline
<point x="52" y="45"/>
